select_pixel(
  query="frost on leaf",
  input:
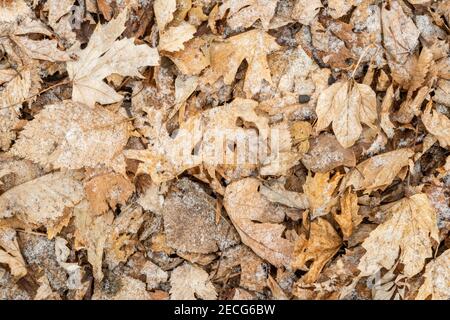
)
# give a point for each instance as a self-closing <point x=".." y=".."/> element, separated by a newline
<point x="438" y="125"/>
<point x="243" y="13"/>
<point x="252" y="46"/>
<point x="10" y="253"/>
<point x="256" y="221"/>
<point x="437" y="279"/>
<point x="190" y="282"/>
<point x="406" y="235"/>
<point x="46" y="201"/>
<point x="72" y="136"/>
<point x="105" y="56"/>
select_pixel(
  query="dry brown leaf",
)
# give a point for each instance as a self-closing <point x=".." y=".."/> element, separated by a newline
<point x="348" y="219"/>
<point x="264" y="237"/>
<point x="378" y="172"/>
<point x="322" y="245"/>
<point x="306" y="10"/>
<point x="244" y="13"/>
<point x="72" y="135"/>
<point x="91" y="233"/>
<point x="164" y="10"/>
<point x="189" y="282"/>
<point x="406" y="235"/>
<point x="46" y="201"/>
<point x="319" y="190"/>
<point x="252" y="46"/>
<point x="105" y="56"/>
<point x="192" y="60"/>
<point x="346" y="105"/>
<point x="285" y="197"/>
<point x="10" y="253"/>
<point x="41" y="49"/>
<point x="107" y="191"/>
<point x="438" y="125"/>
<point x="437" y="279"/>
<point x="173" y="39"/>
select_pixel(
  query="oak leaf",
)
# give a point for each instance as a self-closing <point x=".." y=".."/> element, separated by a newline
<point x="346" y="105"/>
<point x="406" y="235"/>
<point x="105" y="56"/>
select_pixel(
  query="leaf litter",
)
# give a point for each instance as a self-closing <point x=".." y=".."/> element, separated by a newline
<point x="222" y="149"/>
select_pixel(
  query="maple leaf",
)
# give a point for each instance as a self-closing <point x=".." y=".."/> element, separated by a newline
<point x="46" y="201"/>
<point x="243" y="13"/>
<point x="437" y="278"/>
<point x="252" y="46"/>
<point x="346" y="104"/>
<point x="378" y="172"/>
<point x="244" y="205"/>
<point x="322" y="245"/>
<point x="438" y="125"/>
<point x="104" y="56"/>
<point x="72" y="135"/>
<point x="405" y="235"/>
<point x="188" y="281"/>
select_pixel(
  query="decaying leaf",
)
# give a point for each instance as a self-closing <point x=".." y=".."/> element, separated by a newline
<point x="10" y="253"/>
<point x="437" y="279"/>
<point x="72" y="135"/>
<point x="264" y="237"/>
<point x="406" y="235"/>
<point x="104" y="56"/>
<point x="346" y="105"/>
<point x="252" y="46"/>
<point x="321" y="246"/>
<point x="319" y="191"/>
<point x="438" y="125"/>
<point x="378" y="172"/>
<point x="243" y="13"/>
<point x="189" y="281"/>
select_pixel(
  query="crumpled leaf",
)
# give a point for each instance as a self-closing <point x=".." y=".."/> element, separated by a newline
<point x="41" y="49"/>
<point x="245" y="206"/>
<point x="406" y="235"/>
<point x="346" y="104"/>
<point x="319" y="191"/>
<point x="321" y="246"/>
<point x="189" y="281"/>
<point x="72" y="136"/>
<point x="348" y="219"/>
<point x="243" y="13"/>
<point x="252" y="46"/>
<point x="46" y="201"/>
<point x="107" y="191"/>
<point x="378" y="172"/>
<point x="437" y="279"/>
<point x="104" y="56"/>
<point x="10" y="253"/>
<point x="438" y="125"/>
<point x="173" y="38"/>
<point x="306" y="10"/>
<point x="164" y="10"/>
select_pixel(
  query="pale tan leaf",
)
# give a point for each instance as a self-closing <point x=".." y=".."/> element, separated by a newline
<point x="319" y="190"/>
<point x="348" y="219"/>
<point x="173" y="39"/>
<point x="437" y="279"/>
<point x="104" y="56"/>
<point x="437" y="124"/>
<point x="285" y="197"/>
<point x="322" y="245"/>
<point x="252" y="46"/>
<point x="406" y="235"/>
<point x="43" y="201"/>
<point x="57" y="9"/>
<point x="107" y="191"/>
<point x="164" y="10"/>
<point x="378" y="172"/>
<point x="385" y="121"/>
<point x="339" y="8"/>
<point x="41" y="49"/>
<point x="72" y="135"/>
<point x="189" y="282"/>
<point x="244" y="206"/>
<point x="10" y="253"/>
<point x="192" y="59"/>
<point x="306" y="10"/>
<point x="243" y="13"/>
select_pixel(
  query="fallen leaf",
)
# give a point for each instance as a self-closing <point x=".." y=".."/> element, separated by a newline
<point x="104" y="56"/>
<point x="244" y="13"/>
<point x="437" y="279"/>
<point x="438" y="125"/>
<point x="10" y="253"/>
<point x="173" y="39"/>
<point x="190" y="282"/>
<point x="406" y="235"/>
<point x="264" y="236"/>
<point x="319" y="190"/>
